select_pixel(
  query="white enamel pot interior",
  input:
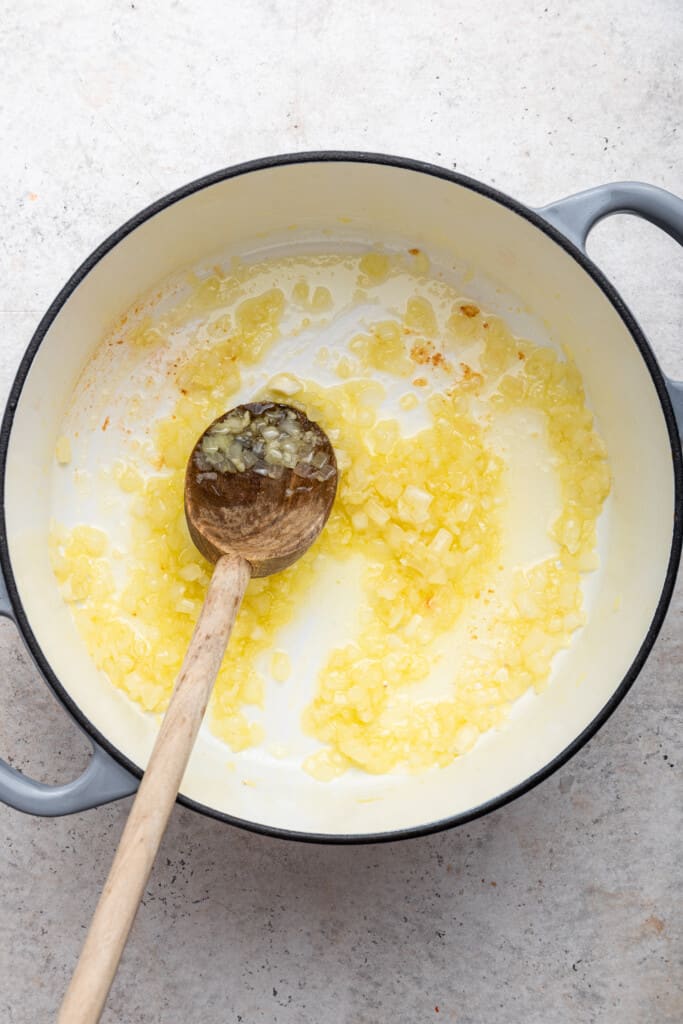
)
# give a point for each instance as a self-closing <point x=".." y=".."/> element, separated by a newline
<point x="534" y="267"/>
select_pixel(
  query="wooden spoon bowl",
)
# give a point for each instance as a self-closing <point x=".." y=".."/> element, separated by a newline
<point x="269" y="522"/>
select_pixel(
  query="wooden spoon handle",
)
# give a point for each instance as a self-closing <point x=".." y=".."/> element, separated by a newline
<point x="115" y="913"/>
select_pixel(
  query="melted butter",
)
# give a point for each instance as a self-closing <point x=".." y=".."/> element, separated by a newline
<point x="466" y="515"/>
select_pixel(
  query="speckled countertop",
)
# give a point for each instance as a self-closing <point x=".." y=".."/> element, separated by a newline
<point x="563" y="908"/>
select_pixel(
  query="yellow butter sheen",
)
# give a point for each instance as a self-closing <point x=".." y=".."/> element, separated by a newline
<point x="424" y="512"/>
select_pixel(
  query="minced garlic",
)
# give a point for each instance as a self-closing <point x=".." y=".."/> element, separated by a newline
<point x="63" y="450"/>
<point x="280" y="666"/>
<point x="267" y="439"/>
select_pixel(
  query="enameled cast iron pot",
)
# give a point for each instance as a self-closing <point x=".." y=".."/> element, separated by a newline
<point x="536" y="255"/>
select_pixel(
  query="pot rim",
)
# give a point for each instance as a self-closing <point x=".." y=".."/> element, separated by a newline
<point x="533" y="217"/>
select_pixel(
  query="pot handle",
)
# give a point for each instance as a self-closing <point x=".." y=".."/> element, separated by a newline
<point x="577" y="215"/>
<point x="102" y="781"/>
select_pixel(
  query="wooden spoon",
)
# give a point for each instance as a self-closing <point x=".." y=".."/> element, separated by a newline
<point x="250" y="524"/>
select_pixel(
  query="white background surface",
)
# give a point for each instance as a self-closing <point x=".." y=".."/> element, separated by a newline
<point x="565" y="906"/>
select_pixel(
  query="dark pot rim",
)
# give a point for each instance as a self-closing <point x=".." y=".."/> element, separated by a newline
<point x="534" y="218"/>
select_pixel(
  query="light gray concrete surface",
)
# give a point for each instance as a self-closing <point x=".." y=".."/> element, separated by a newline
<point x="563" y="908"/>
